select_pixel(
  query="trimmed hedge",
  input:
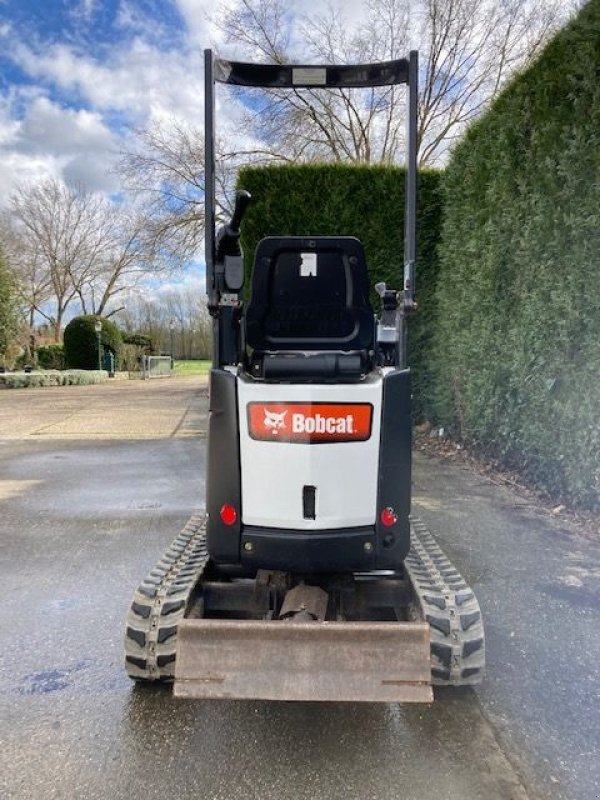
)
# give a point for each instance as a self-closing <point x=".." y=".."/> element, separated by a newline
<point x="517" y="346"/>
<point x="81" y="342"/>
<point x="71" y="377"/>
<point x="362" y="201"/>
<point x="140" y="340"/>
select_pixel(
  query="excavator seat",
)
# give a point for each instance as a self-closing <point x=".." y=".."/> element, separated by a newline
<point x="310" y="318"/>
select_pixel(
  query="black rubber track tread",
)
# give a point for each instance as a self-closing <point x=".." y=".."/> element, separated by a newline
<point x="160" y="601"/>
<point x="447" y="602"/>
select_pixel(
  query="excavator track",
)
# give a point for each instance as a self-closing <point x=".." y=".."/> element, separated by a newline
<point x="441" y="597"/>
<point x="161" y="601"/>
<point x="450" y="607"/>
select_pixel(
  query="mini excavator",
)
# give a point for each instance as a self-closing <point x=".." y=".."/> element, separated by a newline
<point x="307" y="578"/>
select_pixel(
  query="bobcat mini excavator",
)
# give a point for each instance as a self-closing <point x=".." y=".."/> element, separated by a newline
<point x="306" y="579"/>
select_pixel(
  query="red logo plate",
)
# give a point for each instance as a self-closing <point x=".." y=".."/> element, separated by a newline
<point x="310" y="423"/>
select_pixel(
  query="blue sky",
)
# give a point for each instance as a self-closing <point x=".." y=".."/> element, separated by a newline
<point x="76" y="75"/>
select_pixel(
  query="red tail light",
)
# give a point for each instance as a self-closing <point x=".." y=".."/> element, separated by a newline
<point x="228" y="514"/>
<point x="388" y="517"/>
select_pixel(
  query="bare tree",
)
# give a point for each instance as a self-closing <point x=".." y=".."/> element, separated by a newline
<point x="468" y="48"/>
<point x="472" y="47"/>
<point x="181" y="306"/>
<point x="34" y="284"/>
<point x="165" y="170"/>
<point x="124" y="261"/>
<point x="63" y="231"/>
<point x="193" y="324"/>
<point x="143" y="314"/>
<point x="311" y="124"/>
<point x="70" y="245"/>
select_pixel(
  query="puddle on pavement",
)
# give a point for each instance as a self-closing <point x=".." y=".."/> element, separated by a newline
<point x="52" y="680"/>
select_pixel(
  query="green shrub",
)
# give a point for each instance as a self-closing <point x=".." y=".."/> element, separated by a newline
<point x="22" y="360"/>
<point x="362" y="201"/>
<point x="140" y="340"/>
<point x="131" y="357"/>
<point x="81" y="342"/>
<point x="135" y="347"/>
<point x="517" y="346"/>
<point x="51" y="356"/>
<point x="71" y="377"/>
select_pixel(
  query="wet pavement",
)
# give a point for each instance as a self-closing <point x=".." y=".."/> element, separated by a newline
<point x="82" y="518"/>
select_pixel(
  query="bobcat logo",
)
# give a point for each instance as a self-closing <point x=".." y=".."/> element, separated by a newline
<point x="275" y="422"/>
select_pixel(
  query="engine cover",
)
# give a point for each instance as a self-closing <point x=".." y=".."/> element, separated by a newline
<point x="321" y="436"/>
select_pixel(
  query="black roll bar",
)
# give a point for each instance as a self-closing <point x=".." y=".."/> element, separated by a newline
<point x="304" y="76"/>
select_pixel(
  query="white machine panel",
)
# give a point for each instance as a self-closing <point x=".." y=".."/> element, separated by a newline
<point x="278" y="461"/>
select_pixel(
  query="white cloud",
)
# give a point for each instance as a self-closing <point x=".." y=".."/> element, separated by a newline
<point x="140" y="79"/>
<point x="63" y="130"/>
<point x="143" y="79"/>
<point x="194" y="279"/>
<point x="83" y="9"/>
<point x="139" y="84"/>
<point x="8" y="126"/>
<point x="196" y="14"/>
<point x="93" y="173"/>
<point x="58" y="142"/>
<point x="16" y="168"/>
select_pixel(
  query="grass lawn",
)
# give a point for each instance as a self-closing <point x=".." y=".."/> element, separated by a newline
<point x="191" y="367"/>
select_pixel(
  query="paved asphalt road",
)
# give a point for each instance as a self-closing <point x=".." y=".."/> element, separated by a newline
<point x="87" y="505"/>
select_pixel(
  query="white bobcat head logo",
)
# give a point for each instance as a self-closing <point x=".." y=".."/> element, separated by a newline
<point x="274" y="421"/>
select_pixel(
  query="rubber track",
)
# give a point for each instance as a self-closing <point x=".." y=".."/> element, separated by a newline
<point x="160" y="601"/>
<point x="451" y="608"/>
<point x="442" y="595"/>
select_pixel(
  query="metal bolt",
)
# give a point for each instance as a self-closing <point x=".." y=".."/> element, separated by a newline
<point x="368" y="547"/>
<point x="248" y="547"/>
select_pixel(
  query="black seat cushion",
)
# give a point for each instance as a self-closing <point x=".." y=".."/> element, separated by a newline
<point x="299" y="367"/>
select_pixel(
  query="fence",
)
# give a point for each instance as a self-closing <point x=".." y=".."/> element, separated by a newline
<point x="157" y="366"/>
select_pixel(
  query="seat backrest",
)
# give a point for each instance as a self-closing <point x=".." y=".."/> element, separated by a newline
<point x="309" y="294"/>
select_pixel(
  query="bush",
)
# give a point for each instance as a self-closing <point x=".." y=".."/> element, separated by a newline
<point x="51" y="356"/>
<point x="81" y="342"/>
<point x="135" y="347"/>
<point x="140" y="340"/>
<point x="71" y="377"/>
<point x="362" y="201"/>
<point x="22" y="360"/>
<point x="131" y="357"/>
<point x="518" y="335"/>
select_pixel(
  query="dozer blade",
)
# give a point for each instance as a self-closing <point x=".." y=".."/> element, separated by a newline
<point x="337" y="661"/>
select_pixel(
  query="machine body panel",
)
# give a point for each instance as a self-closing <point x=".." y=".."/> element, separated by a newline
<point x="343" y="473"/>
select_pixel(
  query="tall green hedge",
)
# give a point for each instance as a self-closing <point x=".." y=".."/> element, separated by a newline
<point x="517" y="345"/>
<point x="362" y="201"/>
